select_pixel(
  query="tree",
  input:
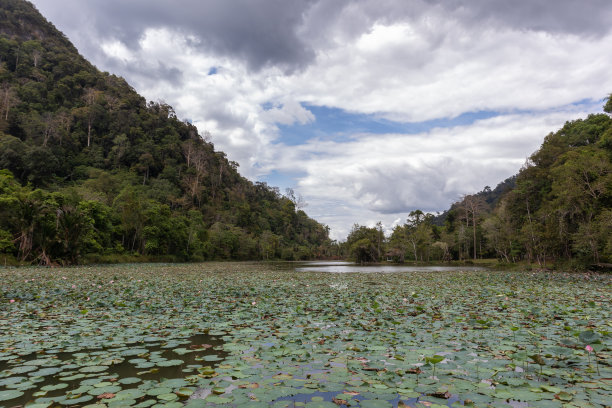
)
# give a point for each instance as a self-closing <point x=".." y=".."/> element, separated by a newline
<point x="608" y="106"/>
<point x="90" y="110"/>
<point x="581" y="186"/>
<point x="131" y="206"/>
<point x="473" y="206"/>
<point x="8" y="98"/>
<point x="398" y="243"/>
<point x="298" y="201"/>
<point x="419" y="234"/>
<point x="74" y="227"/>
<point x="268" y="242"/>
<point x="363" y="243"/>
<point x="499" y="231"/>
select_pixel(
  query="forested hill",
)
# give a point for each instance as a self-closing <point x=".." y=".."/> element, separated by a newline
<point x="557" y="212"/>
<point x="89" y="171"/>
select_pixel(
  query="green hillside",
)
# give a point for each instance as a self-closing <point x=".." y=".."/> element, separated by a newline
<point x="91" y="171"/>
<point x="557" y="212"/>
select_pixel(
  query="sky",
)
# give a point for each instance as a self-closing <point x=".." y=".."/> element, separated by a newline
<point x="369" y="109"/>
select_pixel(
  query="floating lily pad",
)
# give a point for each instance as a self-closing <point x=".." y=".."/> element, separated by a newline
<point x="167" y="397"/>
<point x="169" y="363"/>
<point x="77" y="401"/>
<point x="10" y="394"/>
<point x="93" y="369"/>
<point x="159" y="391"/>
<point x="129" y="380"/>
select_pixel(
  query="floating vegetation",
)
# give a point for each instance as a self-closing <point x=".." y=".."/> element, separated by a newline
<point x="264" y="335"/>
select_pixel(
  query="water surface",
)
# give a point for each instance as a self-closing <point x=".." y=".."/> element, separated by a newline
<point x="349" y="267"/>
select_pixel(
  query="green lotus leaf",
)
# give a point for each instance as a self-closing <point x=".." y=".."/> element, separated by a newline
<point x="169" y="363"/>
<point x="133" y="352"/>
<point x="72" y="377"/>
<point x="45" y="372"/>
<point x="159" y="391"/>
<point x="174" y="383"/>
<point x="145" y="404"/>
<point x="435" y="359"/>
<point x="129" y="380"/>
<point x="185" y="392"/>
<point x="22" y="369"/>
<point x="375" y="404"/>
<point x="174" y="404"/>
<point x="589" y="337"/>
<point x="196" y="403"/>
<point x="109" y="389"/>
<point x="132" y="393"/>
<point x="550" y="388"/>
<point x="103" y="384"/>
<point x="564" y="396"/>
<point x="53" y="387"/>
<point x="10" y="394"/>
<point x="167" y="397"/>
<point x="77" y="401"/>
<point x="93" y="369"/>
<point x="117" y="403"/>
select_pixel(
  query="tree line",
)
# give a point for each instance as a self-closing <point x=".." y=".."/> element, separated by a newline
<point x="556" y="211"/>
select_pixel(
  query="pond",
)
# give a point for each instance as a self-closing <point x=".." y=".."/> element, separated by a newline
<point x="268" y="335"/>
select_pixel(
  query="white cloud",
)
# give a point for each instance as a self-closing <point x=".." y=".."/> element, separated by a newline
<point x="383" y="177"/>
<point x="116" y="49"/>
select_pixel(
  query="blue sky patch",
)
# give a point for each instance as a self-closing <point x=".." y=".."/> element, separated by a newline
<point x="281" y="180"/>
<point x="341" y="126"/>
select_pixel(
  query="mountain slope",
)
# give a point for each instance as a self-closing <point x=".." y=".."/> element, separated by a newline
<point x="558" y="209"/>
<point x="90" y="170"/>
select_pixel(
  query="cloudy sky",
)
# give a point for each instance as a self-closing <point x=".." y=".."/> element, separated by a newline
<point x="367" y="108"/>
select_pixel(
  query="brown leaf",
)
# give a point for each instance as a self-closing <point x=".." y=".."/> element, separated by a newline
<point x="106" y="395"/>
<point x="250" y="386"/>
<point x="200" y="346"/>
<point x="445" y="395"/>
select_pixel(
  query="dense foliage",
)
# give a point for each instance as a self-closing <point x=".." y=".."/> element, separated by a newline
<point x="90" y="170"/>
<point x="556" y="211"/>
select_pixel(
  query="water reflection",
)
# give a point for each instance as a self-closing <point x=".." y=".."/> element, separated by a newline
<point x="197" y="351"/>
<point x="348" y="267"/>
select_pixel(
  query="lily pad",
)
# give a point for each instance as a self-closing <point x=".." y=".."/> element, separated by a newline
<point x="10" y="394"/>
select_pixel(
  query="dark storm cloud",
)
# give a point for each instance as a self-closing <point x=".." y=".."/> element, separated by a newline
<point x="591" y="17"/>
<point x="147" y="75"/>
<point x="260" y="32"/>
<point x="284" y="33"/>
<point x="556" y="16"/>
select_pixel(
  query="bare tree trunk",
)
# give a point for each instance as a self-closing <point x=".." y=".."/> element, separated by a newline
<point x="474" y="225"/>
<point x="533" y="240"/>
<point x="88" y="131"/>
